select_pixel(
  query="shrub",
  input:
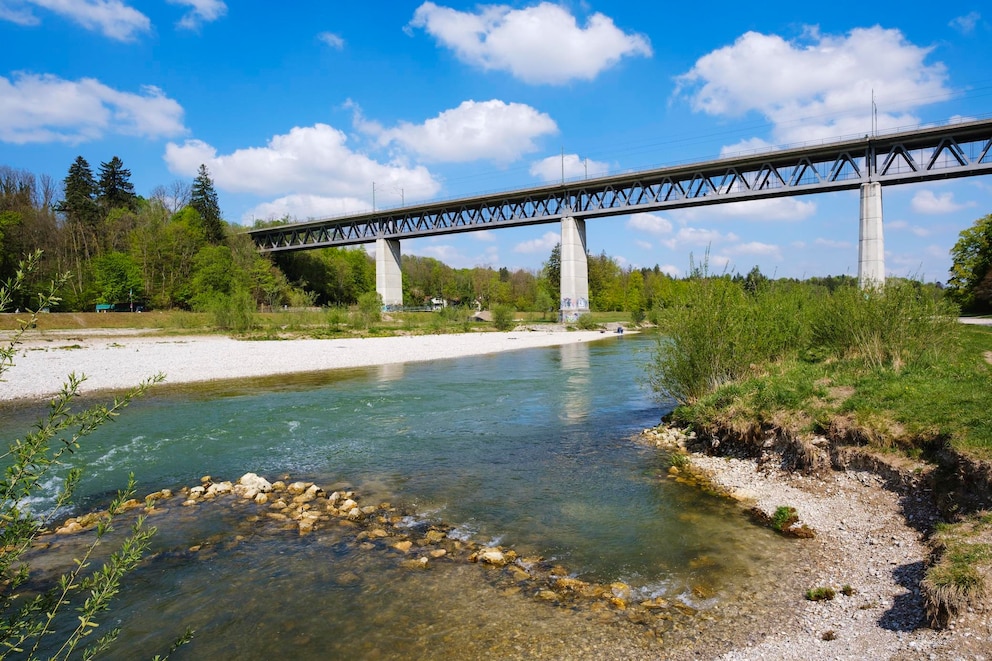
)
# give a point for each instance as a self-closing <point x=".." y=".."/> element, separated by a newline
<point x="586" y="322"/>
<point x="899" y="324"/>
<point x="369" y="310"/>
<point x="31" y="623"/>
<point x="232" y="312"/>
<point x="719" y="333"/>
<point x="503" y="317"/>
<point x="335" y="316"/>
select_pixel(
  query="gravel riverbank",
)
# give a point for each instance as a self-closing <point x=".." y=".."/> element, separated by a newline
<point x="120" y="359"/>
<point x="868" y="538"/>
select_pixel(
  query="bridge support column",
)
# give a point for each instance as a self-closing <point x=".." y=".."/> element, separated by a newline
<point x="871" y="248"/>
<point x="388" y="276"/>
<point x="574" y="270"/>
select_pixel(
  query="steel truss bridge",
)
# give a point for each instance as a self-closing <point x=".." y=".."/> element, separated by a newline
<point x="925" y="154"/>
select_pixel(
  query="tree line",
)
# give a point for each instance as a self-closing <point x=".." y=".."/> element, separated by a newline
<point x="173" y="249"/>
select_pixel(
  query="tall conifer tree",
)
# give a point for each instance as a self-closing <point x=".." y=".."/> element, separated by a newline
<point x="204" y="199"/>
<point x="80" y="192"/>
<point x="79" y="206"/>
<point x="115" y="188"/>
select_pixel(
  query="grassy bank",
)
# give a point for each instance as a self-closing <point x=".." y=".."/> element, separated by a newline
<point x="889" y="371"/>
<point x="913" y="410"/>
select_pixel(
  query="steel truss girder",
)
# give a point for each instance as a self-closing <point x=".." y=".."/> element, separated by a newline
<point x="943" y="152"/>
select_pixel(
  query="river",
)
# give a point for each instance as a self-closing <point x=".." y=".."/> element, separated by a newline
<point x="529" y="449"/>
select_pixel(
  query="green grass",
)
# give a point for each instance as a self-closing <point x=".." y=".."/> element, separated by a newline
<point x="820" y="594"/>
<point x="958" y="580"/>
<point x="783" y="517"/>
<point x="910" y="410"/>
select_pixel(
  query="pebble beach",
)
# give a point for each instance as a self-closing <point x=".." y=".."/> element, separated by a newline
<point x="117" y="360"/>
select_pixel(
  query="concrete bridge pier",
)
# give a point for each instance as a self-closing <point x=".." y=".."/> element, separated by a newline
<point x="574" y="270"/>
<point x="871" y="248"/>
<point x="388" y="276"/>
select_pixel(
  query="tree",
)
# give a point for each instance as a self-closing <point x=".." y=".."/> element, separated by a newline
<point x="970" y="283"/>
<point x="79" y="207"/>
<point x="203" y="198"/>
<point x="214" y="273"/>
<point x="552" y="275"/>
<point x="754" y="280"/>
<point x="115" y="190"/>
<point x="118" y="278"/>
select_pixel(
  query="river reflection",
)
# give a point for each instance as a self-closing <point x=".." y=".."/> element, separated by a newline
<point x="575" y="389"/>
<point x="387" y="373"/>
<point x="528" y="449"/>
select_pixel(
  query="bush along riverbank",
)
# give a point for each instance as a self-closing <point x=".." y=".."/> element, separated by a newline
<point x="814" y="382"/>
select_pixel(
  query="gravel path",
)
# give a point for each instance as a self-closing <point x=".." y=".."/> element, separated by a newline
<point x="121" y="359"/>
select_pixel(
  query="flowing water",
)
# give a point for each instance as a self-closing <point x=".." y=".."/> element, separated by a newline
<point x="529" y="449"/>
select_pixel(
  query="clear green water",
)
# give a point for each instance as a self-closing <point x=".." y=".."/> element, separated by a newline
<point x="528" y="449"/>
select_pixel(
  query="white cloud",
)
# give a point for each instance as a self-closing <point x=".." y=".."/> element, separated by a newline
<point x="643" y="244"/>
<point x="544" y="244"/>
<point x="571" y="166"/>
<point x="775" y="209"/>
<point x="670" y="270"/>
<point x="925" y="201"/>
<point x="966" y="24"/>
<point x="311" y="160"/>
<point x="18" y="15"/>
<point x="903" y="225"/>
<point x="692" y="236"/>
<point x="748" y="146"/>
<point x="491" y="130"/>
<point x="818" y="86"/>
<point x="718" y="264"/>
<point x="832" y="243"/>
<point x="111" y="17"/>
<point x="306" y="207"/>
<point x="650" y="222"/>
<point x="201" y="11"/>
<point x="332" y="40"/>
<point x="755" y="248"/>
<point x="486" y="236"/>
<point x="46" y="108"/>
<point x="539" y="44"/>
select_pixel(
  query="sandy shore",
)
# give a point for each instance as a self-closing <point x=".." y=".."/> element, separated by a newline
<point x="114" y="360"/>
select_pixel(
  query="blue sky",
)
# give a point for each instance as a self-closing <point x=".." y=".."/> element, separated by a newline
<point x="307" y="108"/>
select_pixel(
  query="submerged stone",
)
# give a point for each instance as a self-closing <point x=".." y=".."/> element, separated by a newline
<point x="492" y="556"/>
